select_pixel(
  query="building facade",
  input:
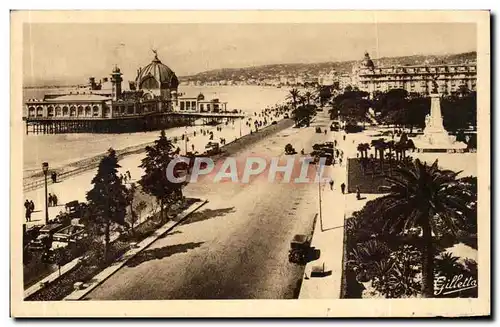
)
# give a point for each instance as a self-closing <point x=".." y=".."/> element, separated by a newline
<point x="188" y="103"/>
<point x="415" y="79"/>
<point x="154" y="90"/>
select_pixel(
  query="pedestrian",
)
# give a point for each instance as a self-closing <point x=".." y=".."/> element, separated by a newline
<point x="192" y="147"/>
<point x="27" y="210"/>
<point x="54" y="200"/>
<point x="50" y="200"/>
<point x="28" y="215"/>
<point x="325" y="131"/>
<point x="358" y="193"/>
<point x="128" y="174"/>
<point x="335" y="142"/>
<point x="32" y="206"/>
<point x="342" y="188"/>
<point x="344" y="137"/>
<point x="331" y="184"/>
<point x="54" y="177"/>
<point x="340" y="161"/>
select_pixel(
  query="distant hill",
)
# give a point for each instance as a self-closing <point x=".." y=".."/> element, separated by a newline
<point x="315" y="69"/>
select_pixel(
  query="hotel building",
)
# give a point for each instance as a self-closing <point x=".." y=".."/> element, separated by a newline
<point x="417" y="79"/>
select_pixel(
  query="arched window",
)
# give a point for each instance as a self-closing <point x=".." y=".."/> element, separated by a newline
<point x="80" y="111"/>
<point x="88" y="112"/>
<point x="95" y="111"/>
<point x="39" y="111"/>
<point x="50" y="111"/>
<point x="72" y="111"/>
<point x="31" y="112"/>
<point x="149" y="83"/>
<point x="58" y="111"/>
<point x="65" y="111"/>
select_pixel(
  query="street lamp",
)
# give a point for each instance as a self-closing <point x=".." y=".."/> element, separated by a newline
<point x="45" y="168"/>
<point x="319" y="193"/>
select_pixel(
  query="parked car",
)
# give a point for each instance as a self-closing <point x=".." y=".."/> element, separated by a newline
<point x="299" y="248"/>
<point x="289" y="149"/>
<point x="45" y="237"/>
<point x="212" y="148"/>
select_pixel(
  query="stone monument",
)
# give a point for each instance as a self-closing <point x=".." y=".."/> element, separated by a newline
<point x="435" y="135"/>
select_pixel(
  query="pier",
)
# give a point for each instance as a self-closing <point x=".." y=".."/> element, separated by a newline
<point x="127" y="124"/>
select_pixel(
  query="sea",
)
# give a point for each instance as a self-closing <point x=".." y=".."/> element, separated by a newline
<point x="62" y="149"/>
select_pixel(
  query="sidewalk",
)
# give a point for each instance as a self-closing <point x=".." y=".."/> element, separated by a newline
<point x="117" y="265"/>
<point x="328" y="239"/>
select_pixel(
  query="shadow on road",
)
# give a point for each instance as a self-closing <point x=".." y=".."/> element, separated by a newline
<point x="207" y="214"/>
<point x="170" y="233"/>
<point x="163" y="252"/>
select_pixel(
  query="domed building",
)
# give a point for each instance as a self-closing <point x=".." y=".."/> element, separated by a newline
<point x="157" y="80"/>
<point x="105" y="107"/>
<point x="367" y="62"/>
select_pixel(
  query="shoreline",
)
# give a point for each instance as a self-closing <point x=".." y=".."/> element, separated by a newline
<point x="36" y="180"/>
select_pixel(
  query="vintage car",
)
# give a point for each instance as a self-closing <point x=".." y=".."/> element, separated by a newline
<point x="289" y="149"/>
<point x="212" y="148"/>
<point x="73" y="233"/>
<point x="299" y="248"/>
<point x="45" y="237"/>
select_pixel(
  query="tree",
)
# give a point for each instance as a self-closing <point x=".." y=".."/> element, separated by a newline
<point x="324" y="94"/>
<point x="132" y="218"/>
<point x="352" y="106"/>
<point x="108" y="197"/>
<point x="155" y="180"/>
<point x="294" y="95"/>
<point x="139" y="208"/>
<point x="307" y="97"/>
<point x="417" y="194"/>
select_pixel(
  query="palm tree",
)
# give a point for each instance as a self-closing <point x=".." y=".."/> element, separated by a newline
<point x="308" y="96"/>
<point x="416" y="196"/>
<point x="375" y="145"/>
<point x="294" y="95"/>
<point x="360" y="149"/>
<point x="390" y="157"/>
<point x="366" y="147"/>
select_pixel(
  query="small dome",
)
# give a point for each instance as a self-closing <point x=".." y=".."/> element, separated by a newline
<point x="157" y="76"/>
<point x="367" y="62"/>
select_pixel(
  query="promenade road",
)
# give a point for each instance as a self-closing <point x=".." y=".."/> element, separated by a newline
<point x="236" y="247"/>
<point x="76" y="187"/>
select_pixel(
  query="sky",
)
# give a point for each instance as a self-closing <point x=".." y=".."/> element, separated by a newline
<point x="73" y="52"/>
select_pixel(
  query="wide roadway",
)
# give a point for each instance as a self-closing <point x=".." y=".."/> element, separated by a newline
<point x="236" y="246"/>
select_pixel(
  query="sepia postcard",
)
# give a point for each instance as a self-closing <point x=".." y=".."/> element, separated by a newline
<point x="250" y="164"/>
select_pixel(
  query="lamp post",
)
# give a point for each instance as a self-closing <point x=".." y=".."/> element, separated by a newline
<point x="319" y="194"/>
<point x="45" y="168"/>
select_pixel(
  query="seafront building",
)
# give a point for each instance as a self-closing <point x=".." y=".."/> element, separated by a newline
<point x="418" y="79"/>
<point x="151" y="101"/>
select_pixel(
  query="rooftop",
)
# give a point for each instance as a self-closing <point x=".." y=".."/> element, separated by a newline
<point x="81" y="97"/>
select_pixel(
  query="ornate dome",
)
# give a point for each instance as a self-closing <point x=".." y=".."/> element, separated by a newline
<point x="367" y="62"/>
<point x="156" y="76"/>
